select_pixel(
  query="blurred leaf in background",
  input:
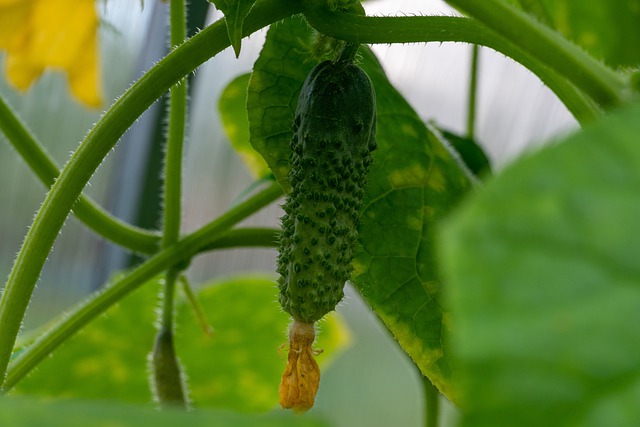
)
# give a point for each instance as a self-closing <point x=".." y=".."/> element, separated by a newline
<point x="542" y="268"/>
<point x="29" y="412"/>
<point x="609" y="30"/>
<point x="238" y="367"/>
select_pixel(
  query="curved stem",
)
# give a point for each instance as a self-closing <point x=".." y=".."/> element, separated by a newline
<point x="178" y="253"/>
<point x="538" y="9"/>
<point x="549" y="47"/>
<point x="86" y="210"/>
<point x="246" y="237"/>
<point x="416" y="29"/>
<point x="100" y="140"/>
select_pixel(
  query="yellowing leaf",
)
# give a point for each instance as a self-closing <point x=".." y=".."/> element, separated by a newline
<point x="233" y="112"/>
<point x="237" y="367"/>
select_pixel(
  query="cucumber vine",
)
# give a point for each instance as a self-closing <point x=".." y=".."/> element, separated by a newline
<point x="334" y="134"/>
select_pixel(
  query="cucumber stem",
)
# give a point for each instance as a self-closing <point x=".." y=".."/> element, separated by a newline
<point x="348" y="53"/>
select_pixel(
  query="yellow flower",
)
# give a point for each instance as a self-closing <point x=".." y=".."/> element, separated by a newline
<point x="61" y="34"/>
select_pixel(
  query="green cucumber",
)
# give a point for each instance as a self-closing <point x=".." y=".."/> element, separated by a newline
<point x="334" y="135"/>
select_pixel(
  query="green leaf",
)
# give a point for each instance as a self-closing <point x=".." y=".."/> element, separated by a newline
<point x="107" y="359"/>
<point x="544" y="280"/>
<point x="413" y="183"/>
<point x="610" y="30"/>
<point x="238" y="367"/>
<point x="233" y="112"/>
<point x="29" y="412"/>
<point x="469" y="151"/>
<point x="235" y="11"/>
<point x="275" y="84"/>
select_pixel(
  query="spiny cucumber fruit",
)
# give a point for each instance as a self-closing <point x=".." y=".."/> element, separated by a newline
<point x="334" y="135"/>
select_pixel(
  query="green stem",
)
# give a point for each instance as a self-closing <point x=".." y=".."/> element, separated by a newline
<point x="195" y="305"/>
<point x="348" y="53"/>
<point x="167" y="377"/>
<point x="473" y="93"/>
<point x="538" y="9"/>
<point x="178" y="253"/>
<point x="87" y="211"/>
<point x="432" y="403"/>
<point x="246" y="237"/>
<point x="175" y="136"/>
<point x="549" y="47"/>
<point x="416" y="29"/>
<point x="92" y="151"/>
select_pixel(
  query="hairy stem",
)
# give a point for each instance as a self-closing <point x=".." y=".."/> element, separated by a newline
<point x="538" y="9"/>
<point x="416" y="29"/>
<point x="168" y="383"/>
<point x="180" y="252"/>
<point x="86" y="210"/>
<point x="97" y="144"/>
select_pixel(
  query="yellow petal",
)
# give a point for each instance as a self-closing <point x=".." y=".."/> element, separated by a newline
<point x="84" y="75"/>
<point x="21" y="72"/>
<point x="60" y="29"/>
<point x="14" y="16"/>
<point x="301" y="377"/>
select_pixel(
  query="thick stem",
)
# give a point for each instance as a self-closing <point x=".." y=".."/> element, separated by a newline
<point x="175" y="136"/>
<point x="86" y="210"/>
<point x="246" y="237"/>
<point x="182" y="251"/>
<point x="167" y="379"/>
<point x="100" y="140"/>
<point x="416" y="29"/>
<point x="538" y="9"/>
<point x="550" y="48"/>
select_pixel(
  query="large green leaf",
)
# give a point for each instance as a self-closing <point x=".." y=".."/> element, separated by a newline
<point x="107" y="359"/>
<point x="234" y="13"/>
<point x="23" y="412"/>
<point x="233" y="112"/>
<point x="413" y="182"/>
<point x="274" y="87"/>
<point x="238" y="367"/>
<point x="608" y="29"/>
<point x="545" y="285"/>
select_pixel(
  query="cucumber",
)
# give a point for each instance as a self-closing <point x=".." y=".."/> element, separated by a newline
<point x="334" y="135"/>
